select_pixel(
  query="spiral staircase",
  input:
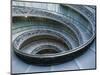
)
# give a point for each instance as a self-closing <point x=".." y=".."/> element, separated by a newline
<point x="52" y="37"/>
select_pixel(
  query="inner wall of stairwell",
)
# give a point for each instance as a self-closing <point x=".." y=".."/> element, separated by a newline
<point x="74" y="27"/>
<point x="56" y="36"/>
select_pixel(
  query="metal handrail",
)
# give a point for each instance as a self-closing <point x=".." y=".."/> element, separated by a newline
<point x="60" y="54"/>
<point x="74" y="20"/>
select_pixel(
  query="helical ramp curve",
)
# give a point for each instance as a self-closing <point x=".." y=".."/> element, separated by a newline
<point x="52" y="34"/>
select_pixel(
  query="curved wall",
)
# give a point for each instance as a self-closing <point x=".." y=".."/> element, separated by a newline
<point x="48" y="33"/>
